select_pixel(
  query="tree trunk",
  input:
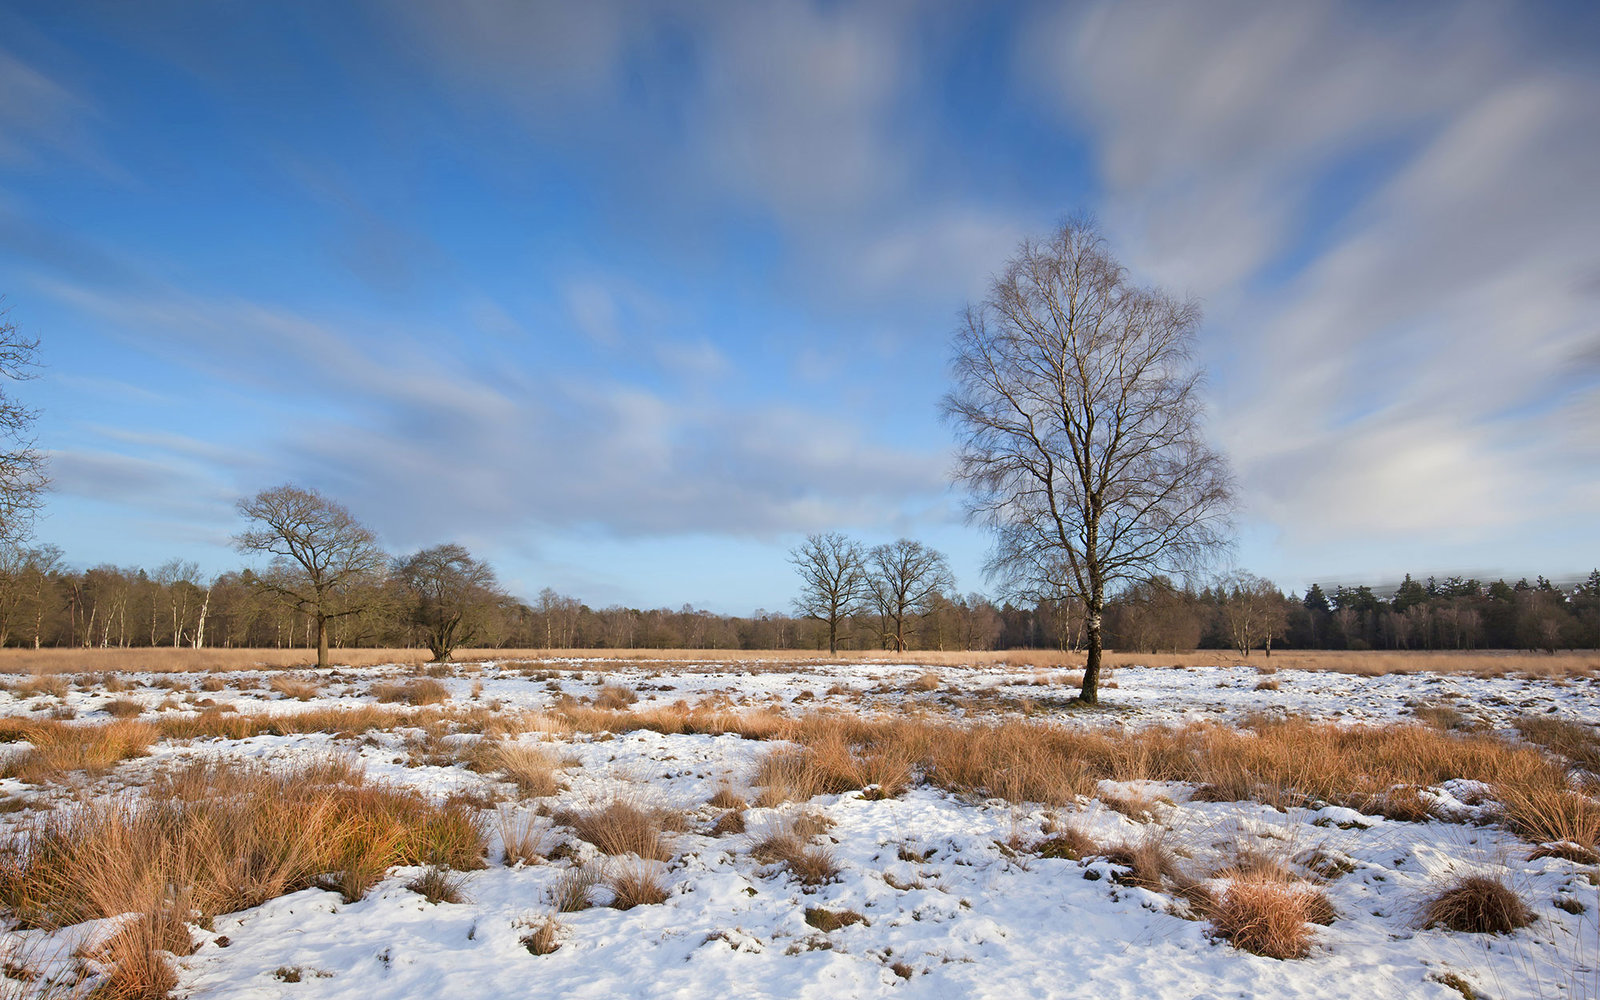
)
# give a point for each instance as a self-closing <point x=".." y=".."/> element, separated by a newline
<point x="1090" y="694"/>
<point x="322" y="641"/>
<point x="833" y="637"/>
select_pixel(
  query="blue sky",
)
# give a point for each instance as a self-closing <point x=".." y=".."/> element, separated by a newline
<point x="629" y="297"/>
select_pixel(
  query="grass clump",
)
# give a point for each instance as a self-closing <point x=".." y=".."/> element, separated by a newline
<point x="420" y="691"/>
<point x="532" y="769"/>
<point x="1265" y="915"/>
<point x="621" y="828"/>
<point x="57" y="748"/>
<point x="544" y="937"/>
<point x="635" y="883"/>
<point x="615" y="696"/>
<point x="1478" y="904"/>
<point x="522" y="837"/>
<point x="439" y="884"/>
<point x="824" y="919"/>
<point x="298" y="688"/>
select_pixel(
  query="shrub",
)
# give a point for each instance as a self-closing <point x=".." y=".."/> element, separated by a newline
<point x="1478" y="904"/>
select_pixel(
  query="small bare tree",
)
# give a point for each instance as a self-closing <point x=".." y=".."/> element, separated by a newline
<point x="1078" y="411"/>
<point x="449" y="596"/>
<point x="322" y="555"/>
<point x="1253" y="611"/>
<point x="23" y="481"/>
<point x="905" y="579"/>
<point x="833" y="569"/>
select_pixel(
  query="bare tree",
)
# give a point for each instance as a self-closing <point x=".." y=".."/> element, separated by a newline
<point x="833" y="570"/>
<point x="22" y="467"/>
<point x="322" y="554"/>
<point x="1078" y="411"/>
<point x="1253" y="612"/>
<point x="450" y="596"/>
<point x="905" y="579"/>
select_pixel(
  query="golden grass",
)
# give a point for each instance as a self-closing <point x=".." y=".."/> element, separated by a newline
<point x="298" y="688"/>
<point x="1266" y="916"/>
<point x="228" y="836"/>
<point x="523" y="836"/>
<point x="635" y="882"/>
<point x="1488" y="662"/>
<point x="56" y="748"/>
<point x="1477" y="904"/>
<point x="216" y="838"/>
<point x="420" y="691"/>
<point x="621" y="828"/>
<point x="534" y="770"/>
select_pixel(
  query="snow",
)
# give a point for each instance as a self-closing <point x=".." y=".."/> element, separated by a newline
<point x="944" y="896"/>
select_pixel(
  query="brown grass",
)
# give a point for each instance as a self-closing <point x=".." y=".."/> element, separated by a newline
<point x="215" y="838"/>
<point x="419" y="691"/>
<point x="298" y="688"/>
<point x="1266" y="916"/>
<point x="122" y="708"/>
<point x="788" y="845"/>
<point x="635" y="883"/>
<point x="571" y="891"/>
<point x="543" y="938"/>
<point x="727" y="798"/>
<point x="621" y="828"/>
<point x="58" y="747"/>
<point x="1478" y="904"/>
<point x="1488" y="662"/>
<point x="534" y="770"/>
<point x="1578" y="743"/>
<point x="523" y="836"/>
<point x="438" y="884"/>
<point x="824" y="919"/>
<point x="615" y="696"/>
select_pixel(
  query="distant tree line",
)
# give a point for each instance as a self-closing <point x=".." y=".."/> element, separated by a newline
<point x="45" y="603"/>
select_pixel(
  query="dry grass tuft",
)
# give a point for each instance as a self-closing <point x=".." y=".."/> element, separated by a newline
<point x="1578" y="743"/>
<point x="1478" y="904"/>
<point x="927" y="681"/>
<point x="1266" y="916"/>
<point x="298" y="688"/>
<point x="572" y="890"/>
<point x="727" y="798"/>
<point x="56" y="748"/>
<point x="731" y="821"/>
<point x="787" y="846"/>
<point x="532" y="769"/>
<point x="621" y="828"/>
<point x="523" y="837"/>
<point x="635" y="883"/>
<point x="420" y="691"/>
<point x="122" y="708"/>
<point x="544" y="938"/>
<point x="440" y="885"/>
<point x="1149" y="863"/>
<point x="1068" y="843"/>
<point x="49" y="686"/>
<point x="824" y="919"/>
<point x="615" y="696"/>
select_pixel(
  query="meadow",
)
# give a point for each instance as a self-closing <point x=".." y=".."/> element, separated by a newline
<point x="236" y="823"/>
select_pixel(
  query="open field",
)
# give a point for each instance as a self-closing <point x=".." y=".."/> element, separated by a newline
<point x="700" y="824"/>
<point x="162" y="659"/>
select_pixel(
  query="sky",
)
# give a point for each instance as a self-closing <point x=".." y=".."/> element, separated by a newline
<point x="629" y="297"/>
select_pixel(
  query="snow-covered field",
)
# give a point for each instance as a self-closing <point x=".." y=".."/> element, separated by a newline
<point x="953" y="898"/>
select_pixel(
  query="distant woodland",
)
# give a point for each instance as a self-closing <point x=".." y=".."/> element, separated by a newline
<point x="44" y="603"/>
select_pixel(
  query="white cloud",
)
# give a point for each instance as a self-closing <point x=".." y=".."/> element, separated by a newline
<point x="1402" y="383"/>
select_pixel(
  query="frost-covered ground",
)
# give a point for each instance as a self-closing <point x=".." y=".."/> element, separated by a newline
<point x="953" y="903"/>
